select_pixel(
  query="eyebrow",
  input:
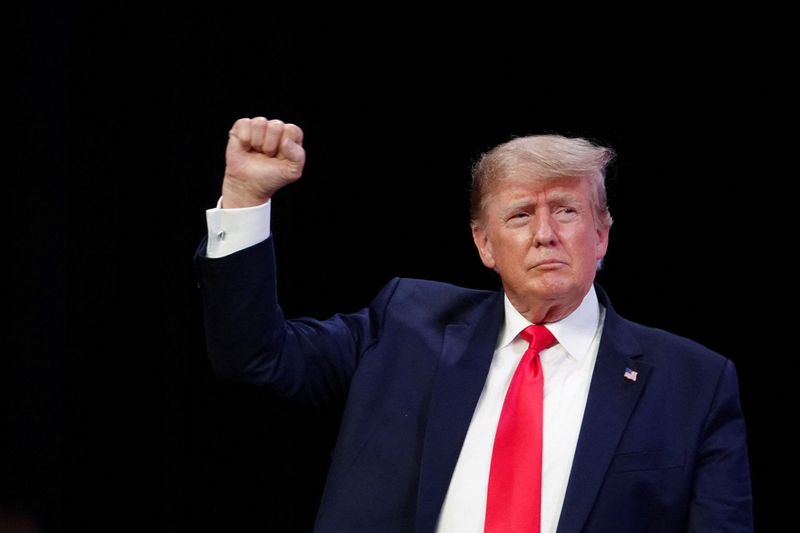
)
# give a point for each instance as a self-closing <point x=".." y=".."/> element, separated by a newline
<point x="554" y="198"/>
<point x="564" y="198"/>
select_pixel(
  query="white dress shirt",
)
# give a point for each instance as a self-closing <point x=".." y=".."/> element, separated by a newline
<point x="567" y="369"/>
<point x="231" y="230"/>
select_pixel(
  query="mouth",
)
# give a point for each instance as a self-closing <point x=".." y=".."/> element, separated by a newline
<point x="548" y="264"/>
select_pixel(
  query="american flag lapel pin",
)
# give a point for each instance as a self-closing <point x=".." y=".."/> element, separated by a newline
<point x="630" y="374"/>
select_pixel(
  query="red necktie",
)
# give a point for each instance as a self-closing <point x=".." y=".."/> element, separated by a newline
<point x="514" y="500"/>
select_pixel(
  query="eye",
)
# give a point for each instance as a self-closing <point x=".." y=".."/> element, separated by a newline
<point x="518" y="219"/>
<point x="566" y="213"/>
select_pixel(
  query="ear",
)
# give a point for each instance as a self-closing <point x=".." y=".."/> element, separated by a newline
<point x="481" y="240"/>
<point x="601" y="245"/>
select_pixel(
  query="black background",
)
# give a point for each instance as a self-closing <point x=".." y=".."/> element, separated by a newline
<point x="118" y="120"/>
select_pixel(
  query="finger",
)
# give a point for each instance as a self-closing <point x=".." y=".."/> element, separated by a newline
<point x="293" y="132"/>
<point x="293" y="152"/>
<point x="259" y="126"/>
<point x="241" y="130"/>
<point x="273" y="137"/>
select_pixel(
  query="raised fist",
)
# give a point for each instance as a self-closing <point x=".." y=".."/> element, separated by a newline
<point x="262" y="156"/>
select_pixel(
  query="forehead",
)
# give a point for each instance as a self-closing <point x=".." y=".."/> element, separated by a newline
<point x="514" y="188"/>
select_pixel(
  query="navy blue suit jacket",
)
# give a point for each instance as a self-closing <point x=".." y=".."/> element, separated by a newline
<point x="664" y="453"/>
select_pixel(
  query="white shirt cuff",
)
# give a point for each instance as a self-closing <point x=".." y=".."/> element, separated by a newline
<point x="232" y="230"/>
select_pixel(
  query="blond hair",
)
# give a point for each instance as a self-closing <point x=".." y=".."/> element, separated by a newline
<point x="547" y="158"/>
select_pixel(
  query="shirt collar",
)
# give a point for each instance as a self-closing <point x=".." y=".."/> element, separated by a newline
<point x="574" y="332"/>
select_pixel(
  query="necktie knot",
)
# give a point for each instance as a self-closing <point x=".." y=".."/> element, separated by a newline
<point x="538" y="337"/>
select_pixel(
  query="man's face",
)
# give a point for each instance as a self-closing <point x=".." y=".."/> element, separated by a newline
<point x="542" y="239"/>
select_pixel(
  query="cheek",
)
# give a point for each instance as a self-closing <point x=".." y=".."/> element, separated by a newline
<point x="509" y="249"/>
<point x="581" y="244"/>
<point x="517" y="245"/>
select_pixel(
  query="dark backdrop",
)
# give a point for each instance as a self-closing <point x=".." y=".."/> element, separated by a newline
<point x="112" y="420"/>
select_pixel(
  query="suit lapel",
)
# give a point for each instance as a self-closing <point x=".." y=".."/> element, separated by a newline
<point x="467" y="352"/>
<point x="612" y="398"/>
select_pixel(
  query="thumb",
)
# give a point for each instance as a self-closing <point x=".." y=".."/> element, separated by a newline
<point x="293" y="152"/>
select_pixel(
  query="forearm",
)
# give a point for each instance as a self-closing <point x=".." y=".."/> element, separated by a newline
<point x="244" y="324"/>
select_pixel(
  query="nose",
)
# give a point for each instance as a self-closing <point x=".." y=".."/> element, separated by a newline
<point x="543" y="231"/>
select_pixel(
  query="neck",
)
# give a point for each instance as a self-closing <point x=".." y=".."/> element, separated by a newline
<point x="544" y="311"/>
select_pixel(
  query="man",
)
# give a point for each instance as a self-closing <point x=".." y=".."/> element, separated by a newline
<point x="454" y="396"/>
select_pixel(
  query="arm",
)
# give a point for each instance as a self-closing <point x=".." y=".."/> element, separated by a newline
<point x="722" y="499"/>
<point x="248" y="338"/>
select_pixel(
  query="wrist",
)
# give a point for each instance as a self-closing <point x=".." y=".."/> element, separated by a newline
<point x="234" y="196"/>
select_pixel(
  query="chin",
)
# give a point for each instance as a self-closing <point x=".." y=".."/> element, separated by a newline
<point x="553" y="289"/>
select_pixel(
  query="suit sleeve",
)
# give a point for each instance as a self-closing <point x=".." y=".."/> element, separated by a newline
<point x="722" y="499"/>
<point x="249" y="340"/>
